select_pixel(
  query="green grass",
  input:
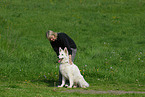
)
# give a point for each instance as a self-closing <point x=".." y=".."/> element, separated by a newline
<point x="110" y="38"/>
<point x="41" y="89"/>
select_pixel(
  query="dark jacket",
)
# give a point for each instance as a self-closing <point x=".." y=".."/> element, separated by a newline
<point x="63" y="40"/>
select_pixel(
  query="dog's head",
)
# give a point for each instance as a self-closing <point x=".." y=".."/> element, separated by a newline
<point x="63" y="55"/>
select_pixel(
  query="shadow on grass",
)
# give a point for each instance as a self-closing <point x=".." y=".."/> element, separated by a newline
<point x="50" y="83"/>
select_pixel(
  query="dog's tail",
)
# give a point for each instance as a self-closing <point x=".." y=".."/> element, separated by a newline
<point x="83" y="83"/>
<point x="86" y="84"/>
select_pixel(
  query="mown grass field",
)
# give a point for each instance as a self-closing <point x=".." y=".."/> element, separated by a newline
<point x="110" y="38"/>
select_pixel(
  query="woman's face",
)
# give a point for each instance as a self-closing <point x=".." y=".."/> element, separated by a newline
<point x="52" y="38"/>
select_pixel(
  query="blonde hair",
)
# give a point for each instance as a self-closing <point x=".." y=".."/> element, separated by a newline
<point x="50" y="33"/>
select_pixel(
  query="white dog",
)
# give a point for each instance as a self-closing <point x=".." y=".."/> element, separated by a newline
<point x="70" y="72"/>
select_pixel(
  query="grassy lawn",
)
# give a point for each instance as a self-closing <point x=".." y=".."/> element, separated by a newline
<point x="39" y="89"/>
<point x="110" y="38"/>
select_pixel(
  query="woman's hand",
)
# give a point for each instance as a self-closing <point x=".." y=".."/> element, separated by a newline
<point x="70" y="60"/>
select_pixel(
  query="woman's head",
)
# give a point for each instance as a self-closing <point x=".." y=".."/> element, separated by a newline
<point x="51" y="36"/>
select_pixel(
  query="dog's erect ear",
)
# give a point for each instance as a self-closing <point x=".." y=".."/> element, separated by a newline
<point x="65" y="50"/>
<point x="60" y="49"/>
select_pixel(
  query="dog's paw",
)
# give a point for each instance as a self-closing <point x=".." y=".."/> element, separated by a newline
<point x="74" y="86"/>
<point x="59" y="86"/>
<point x="66" y="85"/>
<point x="69" y="87"/>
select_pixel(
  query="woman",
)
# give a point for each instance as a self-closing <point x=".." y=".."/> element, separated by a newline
<point x="62" y="40"/>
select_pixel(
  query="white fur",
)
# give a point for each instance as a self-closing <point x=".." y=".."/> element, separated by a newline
<point x="70" y="72"/>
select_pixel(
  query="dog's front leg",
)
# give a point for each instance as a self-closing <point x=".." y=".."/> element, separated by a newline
<point x="63" y="81"/>
<point x="70" y="82"/>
